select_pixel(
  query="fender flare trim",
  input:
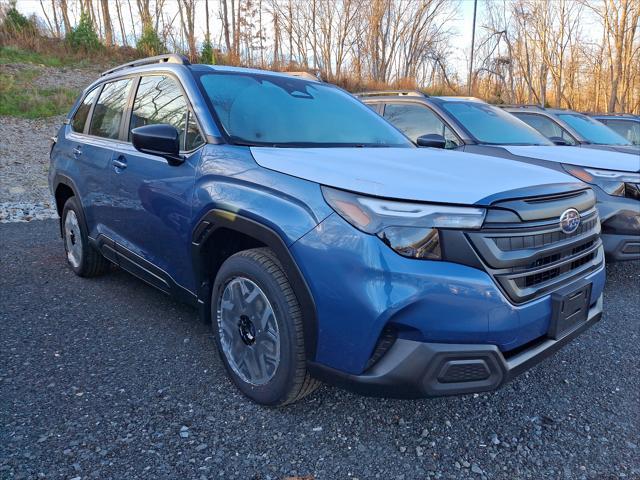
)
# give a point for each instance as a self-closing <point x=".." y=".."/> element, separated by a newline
<point x="60" y="179"/>
<point x="215" y="219"/>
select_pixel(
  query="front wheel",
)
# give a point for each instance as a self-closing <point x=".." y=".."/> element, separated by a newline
<point x="258" y="329"/>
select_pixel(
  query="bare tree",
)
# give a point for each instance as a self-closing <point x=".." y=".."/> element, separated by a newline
<point x="187" y="9"/>
<point x="106" y="20"/>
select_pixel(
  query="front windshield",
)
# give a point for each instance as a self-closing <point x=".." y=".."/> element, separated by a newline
<point x="592" y="130"/>
<point x="274" y="110"/>
<point x="492" y="125"/>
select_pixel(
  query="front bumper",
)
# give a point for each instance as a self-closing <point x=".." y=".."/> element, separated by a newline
<point x="412" y="369"/>
<point x="621" y="247"/>
<point x="620" y="220"/>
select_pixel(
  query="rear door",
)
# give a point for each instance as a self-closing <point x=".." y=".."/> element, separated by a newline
<point x="152" y="199"/>
<point x="93" y="148"/>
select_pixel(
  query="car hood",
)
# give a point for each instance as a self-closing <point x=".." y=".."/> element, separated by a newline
<point x="632" y="149"/>
<point x="420" y="174"/>
<point x="584" y="157"/>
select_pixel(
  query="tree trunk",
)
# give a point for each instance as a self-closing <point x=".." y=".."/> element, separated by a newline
<point x="106" y="19"/>
<point x="123" y="33"/>
<point x="225" y="26"/>
<point x="64" y="9"/>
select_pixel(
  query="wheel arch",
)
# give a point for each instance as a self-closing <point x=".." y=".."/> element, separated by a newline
<point x="63" y="189"/>
<point x="207" y="237"/>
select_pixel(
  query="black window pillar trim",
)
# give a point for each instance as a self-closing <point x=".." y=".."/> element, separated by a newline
<point x="216" y="219"/>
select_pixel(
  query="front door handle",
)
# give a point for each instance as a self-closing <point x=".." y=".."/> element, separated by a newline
<point x="77" y="151"/>
<point x="120" y="163"/>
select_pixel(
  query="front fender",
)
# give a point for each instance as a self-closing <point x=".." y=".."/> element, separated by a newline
<point x="230" y="180"/>
<point x="233" y="192"/>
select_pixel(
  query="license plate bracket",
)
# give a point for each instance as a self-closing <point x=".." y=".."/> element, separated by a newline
<point x="570" y="306"/>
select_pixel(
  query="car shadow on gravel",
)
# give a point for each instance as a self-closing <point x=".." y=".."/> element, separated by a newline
<point x="108" y="378"/>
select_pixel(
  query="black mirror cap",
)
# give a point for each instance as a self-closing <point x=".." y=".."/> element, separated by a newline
<point x="559" y="141"/>
<point x="160" y="139"/>
<point x="431" y="140"/>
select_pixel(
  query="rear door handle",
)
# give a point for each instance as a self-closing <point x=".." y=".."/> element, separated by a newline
<point x="120" y="163"/>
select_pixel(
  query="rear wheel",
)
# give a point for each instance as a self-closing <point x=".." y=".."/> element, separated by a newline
<point x="258" y="328"/>
<point x="83" y="259"/>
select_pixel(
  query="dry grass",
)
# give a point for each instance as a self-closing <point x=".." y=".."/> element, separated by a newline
<point x="19" y="97"/>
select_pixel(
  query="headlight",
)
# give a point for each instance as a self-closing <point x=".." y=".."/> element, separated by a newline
<point x="611" y="181"/>
<point x="411" y="229"/>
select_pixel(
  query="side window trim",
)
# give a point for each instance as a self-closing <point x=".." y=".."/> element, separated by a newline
<point x="128" y="111"/>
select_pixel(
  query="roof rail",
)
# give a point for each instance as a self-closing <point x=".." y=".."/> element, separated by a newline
<point x="166" y="58"/>
<point x="630" y="115"/>
<point x="520" y="105"/>
<point x="306" y="76"/>
<point x="399" y="93"/>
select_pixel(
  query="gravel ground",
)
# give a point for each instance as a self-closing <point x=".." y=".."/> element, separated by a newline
<point x="109" y="379"/>
<point x="24" y="147"/>
<point x="24" y="166"/>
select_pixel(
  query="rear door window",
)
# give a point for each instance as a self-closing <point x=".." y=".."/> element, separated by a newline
<point x="415" y="120"/>
<point x="159" y="99"/>
<point x="80" y="117"/>
<point x="108" y="112"/>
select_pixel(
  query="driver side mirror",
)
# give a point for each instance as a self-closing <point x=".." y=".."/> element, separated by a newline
<point x="431" y="140"/>
<point x="159" y="139"/>
<point x="559" y="141"/>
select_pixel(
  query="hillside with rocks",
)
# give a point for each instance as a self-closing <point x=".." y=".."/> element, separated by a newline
<point x="25" y="142"/>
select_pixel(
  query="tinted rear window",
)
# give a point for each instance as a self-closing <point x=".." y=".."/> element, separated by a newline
<point x="107" y="114"/>
<point x="80" y="118"/>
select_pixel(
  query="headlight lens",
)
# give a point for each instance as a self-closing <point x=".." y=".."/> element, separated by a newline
<point x="611" y="181"/>
<point x="411" y="229"/>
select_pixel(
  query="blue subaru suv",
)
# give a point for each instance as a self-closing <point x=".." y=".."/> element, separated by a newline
<point x="315" y="237"/>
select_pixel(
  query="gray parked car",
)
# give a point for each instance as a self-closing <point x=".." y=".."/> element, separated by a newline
<point x="566" y="127"/>
<point x="623" y="124"/>
<point x="474" y="126"/>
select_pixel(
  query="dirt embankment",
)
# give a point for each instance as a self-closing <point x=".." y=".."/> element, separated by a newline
<point x="25" y="143"/>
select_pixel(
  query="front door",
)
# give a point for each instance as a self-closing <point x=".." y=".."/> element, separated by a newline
<point x="153" y="199"/>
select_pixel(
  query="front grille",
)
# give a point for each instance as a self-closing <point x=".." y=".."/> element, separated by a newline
<point x="531" y="258"/>
<point x="507" y="244"/>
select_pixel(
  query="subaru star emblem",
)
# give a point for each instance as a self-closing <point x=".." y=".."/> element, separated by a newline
<point x="569" y="220"/>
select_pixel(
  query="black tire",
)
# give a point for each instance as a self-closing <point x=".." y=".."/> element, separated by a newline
<point x="89" y="263"/>
<point x="291" y="381"/>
